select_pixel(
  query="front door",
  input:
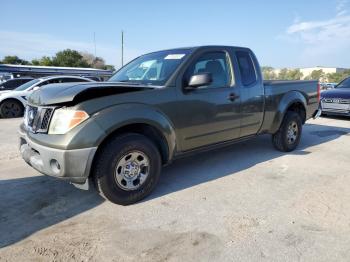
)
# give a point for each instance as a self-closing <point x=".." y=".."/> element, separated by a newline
<point x="209" y="114"/>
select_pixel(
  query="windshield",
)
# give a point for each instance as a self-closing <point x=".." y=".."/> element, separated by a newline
<point x="151" y="69"/>
<point x="27" y="85"/>
<point x="344" y="84"/>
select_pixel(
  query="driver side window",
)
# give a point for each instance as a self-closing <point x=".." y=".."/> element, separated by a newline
<point x="215" y="63"/>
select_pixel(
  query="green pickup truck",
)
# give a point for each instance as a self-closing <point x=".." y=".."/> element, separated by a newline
<point x="159" y="107"/>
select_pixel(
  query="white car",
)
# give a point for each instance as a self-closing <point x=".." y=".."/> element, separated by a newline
<point x="12" y="103"/>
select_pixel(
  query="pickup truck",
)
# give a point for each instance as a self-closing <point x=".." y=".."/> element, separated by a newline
<point x="159" y="107"/>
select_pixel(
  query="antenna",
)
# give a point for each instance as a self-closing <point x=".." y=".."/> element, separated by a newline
<point x="95" y="43"/>
<point x="122" y="48"/>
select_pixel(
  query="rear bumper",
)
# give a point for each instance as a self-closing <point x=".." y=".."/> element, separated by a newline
<point x="70" y="165"/>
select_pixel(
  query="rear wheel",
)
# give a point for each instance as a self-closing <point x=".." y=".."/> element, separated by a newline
<point x="11" y="108"/>
<point x="127" y="169"/>
<point x="288" y="136"/>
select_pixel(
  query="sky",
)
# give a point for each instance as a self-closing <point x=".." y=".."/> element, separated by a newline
<point x="296" y="33"/>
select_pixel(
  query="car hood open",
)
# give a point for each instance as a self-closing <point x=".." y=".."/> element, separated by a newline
<point x="74" y="93"/>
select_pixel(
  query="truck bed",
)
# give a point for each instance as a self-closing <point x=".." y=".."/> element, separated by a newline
<point x="278" y="90"/>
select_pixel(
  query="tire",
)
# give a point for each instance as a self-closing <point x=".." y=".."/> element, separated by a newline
<point x="288" y="136"/>
<point x="11" y="108"/>
<point x="113" y="166"/>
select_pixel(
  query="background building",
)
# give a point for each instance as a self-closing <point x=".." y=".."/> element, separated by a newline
<point x="326" y="70"/>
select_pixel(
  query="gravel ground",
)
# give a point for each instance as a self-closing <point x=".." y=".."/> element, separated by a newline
<point x="246" y="202"/>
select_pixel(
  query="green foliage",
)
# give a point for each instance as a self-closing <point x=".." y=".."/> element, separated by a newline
<point x="295" y="74"/>
<point x="109" y="67"/>
<point x="268" y="73"/>
<point x="284" y="74"/>
<point x="46" y="61"/>
<point x="70" y="58"/>
<point x="290" y="74"/>
<point x="338" y="77"/>
<point x="65" y="58"/>
<point x="14" y="60"/>
<point x="316" y="75"/>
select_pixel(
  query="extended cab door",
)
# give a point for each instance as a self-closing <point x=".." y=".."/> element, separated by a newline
<point x="208" y="114"/>
<point x="252" y="93"/>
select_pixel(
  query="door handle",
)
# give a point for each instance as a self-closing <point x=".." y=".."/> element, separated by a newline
<point x="232" y="97"/>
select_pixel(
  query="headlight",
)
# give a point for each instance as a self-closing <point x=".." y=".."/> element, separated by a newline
<point x="64" y="120"/>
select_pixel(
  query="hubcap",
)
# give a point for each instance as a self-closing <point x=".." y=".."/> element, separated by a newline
<point x="132" y="170"/>
<point x="292" y="132"/>
<point x="11" y="109"/>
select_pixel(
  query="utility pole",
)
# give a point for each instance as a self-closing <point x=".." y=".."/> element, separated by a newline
<point x="122" y="48"/>
<point x="95" y="43"/>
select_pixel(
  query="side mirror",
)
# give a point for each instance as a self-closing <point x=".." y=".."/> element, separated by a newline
<point x="36" y="88"/>
<point x="202" y="79"/>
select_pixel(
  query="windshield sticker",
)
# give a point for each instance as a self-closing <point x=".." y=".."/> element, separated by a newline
<point x="174" y="56"/>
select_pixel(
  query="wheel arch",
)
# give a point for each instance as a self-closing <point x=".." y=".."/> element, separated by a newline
<point x="291" y="101"/>
<point x="149" y="131"/>
<point x="141" y="119"/>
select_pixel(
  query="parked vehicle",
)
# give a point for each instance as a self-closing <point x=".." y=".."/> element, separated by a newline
<point x="43" y="71"/>
<point x="159" y="107"/>
<point x="14" y="83"/>
<point x="12" y="103"/>
<point x="327" y="86"/>
<point x="337" y="101"/>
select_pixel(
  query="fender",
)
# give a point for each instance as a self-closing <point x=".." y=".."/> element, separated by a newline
<point x="287" y="100"/>
<point x="136" y="113"/>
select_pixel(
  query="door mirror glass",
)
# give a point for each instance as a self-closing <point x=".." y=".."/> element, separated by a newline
<point x="202" y="79"/>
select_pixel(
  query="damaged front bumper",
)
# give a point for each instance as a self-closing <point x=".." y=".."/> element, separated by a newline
<point x="70" y="165"/>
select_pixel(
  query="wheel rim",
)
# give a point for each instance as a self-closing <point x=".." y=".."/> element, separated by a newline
<point x="132" y="170"/>
<point x="11" y="109"/>
<point x="292" y="132"/>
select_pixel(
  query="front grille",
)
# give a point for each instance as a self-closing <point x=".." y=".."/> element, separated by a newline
<point x="337" y="100"/>
<point x="37" y="119"/>
<point x="46" y="119"/>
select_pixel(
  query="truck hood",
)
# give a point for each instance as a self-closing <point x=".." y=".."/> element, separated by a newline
<point x="336" y="93"/>
<point x="74" y="93"/>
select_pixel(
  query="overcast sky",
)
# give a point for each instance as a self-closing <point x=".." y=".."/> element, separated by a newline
<point x="282" y="33"/>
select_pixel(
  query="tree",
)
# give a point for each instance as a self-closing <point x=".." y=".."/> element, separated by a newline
<point x="294" y="74"/>
<point x="337" y="77"/>
<point x="268" y="73"/>
<point x="96" y="62"/>
<point x="67" y="57"/>
<point x="14" y="60"/>
<point x="316" y="75"/>
<point x="46" y="61"/>
<point x="334" y="77"/>
<point x="70" y="58"/>
<point x="283" y="74"/>
<point x="109" y="67"/>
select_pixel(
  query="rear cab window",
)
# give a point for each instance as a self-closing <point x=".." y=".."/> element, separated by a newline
<point x="246" y="68"/>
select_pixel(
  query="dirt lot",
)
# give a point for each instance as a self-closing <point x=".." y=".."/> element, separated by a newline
<point x="247" y="202"/>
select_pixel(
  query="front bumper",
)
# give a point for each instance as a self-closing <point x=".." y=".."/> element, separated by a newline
<point x="335" y="108"/>
<point x="71" y="165"/>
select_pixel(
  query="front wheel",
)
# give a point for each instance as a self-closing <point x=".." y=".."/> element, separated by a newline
<point x="127" y="169"/>
<point x="287" y="138"/>
<point x="11" y="108"/>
